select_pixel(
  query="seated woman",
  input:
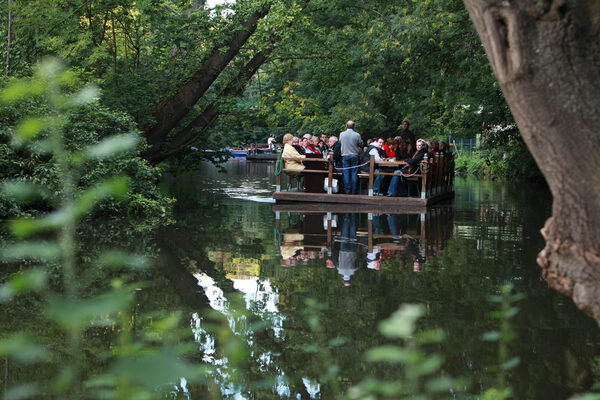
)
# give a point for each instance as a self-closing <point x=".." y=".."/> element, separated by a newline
<point x="390" y="147"/>
<point x="312" y="145"/>
<point x="290" y="152"/>
<point x="297" y="145"/>
<point x="398" y="185"/>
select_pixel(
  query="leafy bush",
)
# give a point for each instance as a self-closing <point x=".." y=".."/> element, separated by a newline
<point x="85" y="126"/>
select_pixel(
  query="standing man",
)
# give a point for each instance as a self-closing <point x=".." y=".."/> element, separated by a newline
<point x="406" y="134"/>
<point x="351" y="144"/>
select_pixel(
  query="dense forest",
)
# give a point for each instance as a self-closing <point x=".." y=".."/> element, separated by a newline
<point x="188" y="75"/>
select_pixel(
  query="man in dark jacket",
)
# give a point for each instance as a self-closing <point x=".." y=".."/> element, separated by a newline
<point x="407" y="134"/>
<point x="334" y="146"/>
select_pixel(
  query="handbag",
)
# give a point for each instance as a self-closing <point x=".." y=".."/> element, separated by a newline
<point x="334" y="185"/>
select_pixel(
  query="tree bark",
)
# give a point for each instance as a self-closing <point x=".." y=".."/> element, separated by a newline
<point x="170" y="112"/>
<point x="234" y="89"/>
<point x="546" y="56"/>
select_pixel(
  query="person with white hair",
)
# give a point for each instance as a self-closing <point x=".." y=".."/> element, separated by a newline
<point x="290" y="152"/>
<point x="351" y="146"/>
<point x="398" y="185"/>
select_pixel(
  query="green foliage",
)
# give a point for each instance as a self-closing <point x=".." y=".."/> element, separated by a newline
<point x="380" y="62"/>
<point x="499" y="161"/>
<point x="89" y="131"/>
<point x="420" y="372"/>
<point x="506" y="300"/>
<point x="69" y="306"/>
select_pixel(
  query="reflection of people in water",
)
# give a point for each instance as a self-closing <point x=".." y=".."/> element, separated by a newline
<point x="418" y="263"/>
<point x="348" y="255"/>
<point x="373" y="259"/>
<point x="397" y="223"/>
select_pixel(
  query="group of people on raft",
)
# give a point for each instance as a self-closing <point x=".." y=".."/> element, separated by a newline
<point x="350" y="156"/>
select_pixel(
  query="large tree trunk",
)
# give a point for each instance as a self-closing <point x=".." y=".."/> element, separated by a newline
<point x="234" y="89"/>
<point x="170" y="112"/>
<point x="546" y="56"/>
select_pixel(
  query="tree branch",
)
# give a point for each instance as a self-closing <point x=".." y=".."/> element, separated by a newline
<point x="170" y="112"/>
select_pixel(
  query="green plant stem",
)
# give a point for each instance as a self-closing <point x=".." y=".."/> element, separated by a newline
<point x="66" y="236"/>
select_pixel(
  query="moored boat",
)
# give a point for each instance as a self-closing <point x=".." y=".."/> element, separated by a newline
<point x="261" y="154"/>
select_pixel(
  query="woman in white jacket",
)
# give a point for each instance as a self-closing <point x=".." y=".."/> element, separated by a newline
<point x="290" y="152"/>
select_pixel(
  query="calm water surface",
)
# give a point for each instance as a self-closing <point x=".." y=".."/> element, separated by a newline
<point x="360" y="268"/>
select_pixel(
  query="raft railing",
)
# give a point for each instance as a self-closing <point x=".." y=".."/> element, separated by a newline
<point x="436" y="174"/>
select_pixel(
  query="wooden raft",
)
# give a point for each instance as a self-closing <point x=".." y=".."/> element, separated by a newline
<point x="435" y="181"/>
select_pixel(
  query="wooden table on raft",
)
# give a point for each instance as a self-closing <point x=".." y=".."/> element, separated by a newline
<point x="391" y="163"/>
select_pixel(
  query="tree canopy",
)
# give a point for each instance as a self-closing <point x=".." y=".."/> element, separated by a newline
<point x="267" y="66"/>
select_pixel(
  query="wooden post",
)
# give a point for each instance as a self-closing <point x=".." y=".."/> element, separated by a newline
<point x="371" y="173"/>
<point x="277" y="233"/>
<point x="423" y="237"/>
<point x="436" y="174"/>
<point x="370" y="229"/>
<point x="278" y="176"/>
<point x="441" y="173"/>
<point x="329" y="232"/>
<point x="424" y="174"/>
<point x="330" y="174"/>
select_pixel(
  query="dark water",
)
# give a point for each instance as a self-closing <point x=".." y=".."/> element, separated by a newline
<point x="360" y="268"/>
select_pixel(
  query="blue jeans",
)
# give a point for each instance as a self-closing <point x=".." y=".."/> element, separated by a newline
<point x="350" y="174"/>
<point x="377" y="183"/>
<point x="398" y="185"/>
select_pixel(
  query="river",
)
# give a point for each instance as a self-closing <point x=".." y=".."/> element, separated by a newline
<point x="314" y="278"/>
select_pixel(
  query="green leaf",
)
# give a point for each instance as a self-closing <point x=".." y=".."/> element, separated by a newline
<point x="26" y="391"/>
<point x="49" y="69"/>
<point x="337" y="341"/>
<point x="431" y="364"/>
<point x="116" y="187"/>
<point x="388" y="353"/>
<point x="77" y="314"/>
<point x="402" y="322"/>
<point x="511" y="312"/>
<point x="26" y="281"/>
<point x="495" y="299"/>
<point x="586" y="396"/>
<point x="33" y="250"/>
<point x="87" y="95"/>
<point x="310" y="348"/>
<point x="120" y="259"/>
<point x="431" y="336"/>
<point x="517" y="297"/>
<point x="510" y="364"/>
<point x="442" y="384"/>
<point x="26" y="226"/>
<point x="22" y="89"/>
<point x="491" y="336"/>
<point x="22" y="348"/>
<point x="30" y="128"/>
<point x="170" y="322"/>
<point x="23" y="192"/>
<point x="155" y="370"/>
<point x="112" y="146"/>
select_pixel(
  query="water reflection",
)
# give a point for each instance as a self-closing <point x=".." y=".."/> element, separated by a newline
<point x="276" y="258"/>
<point x="350" y="241"/>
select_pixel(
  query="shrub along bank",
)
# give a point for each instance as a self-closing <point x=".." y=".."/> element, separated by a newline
<point x="32" y="163"/>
